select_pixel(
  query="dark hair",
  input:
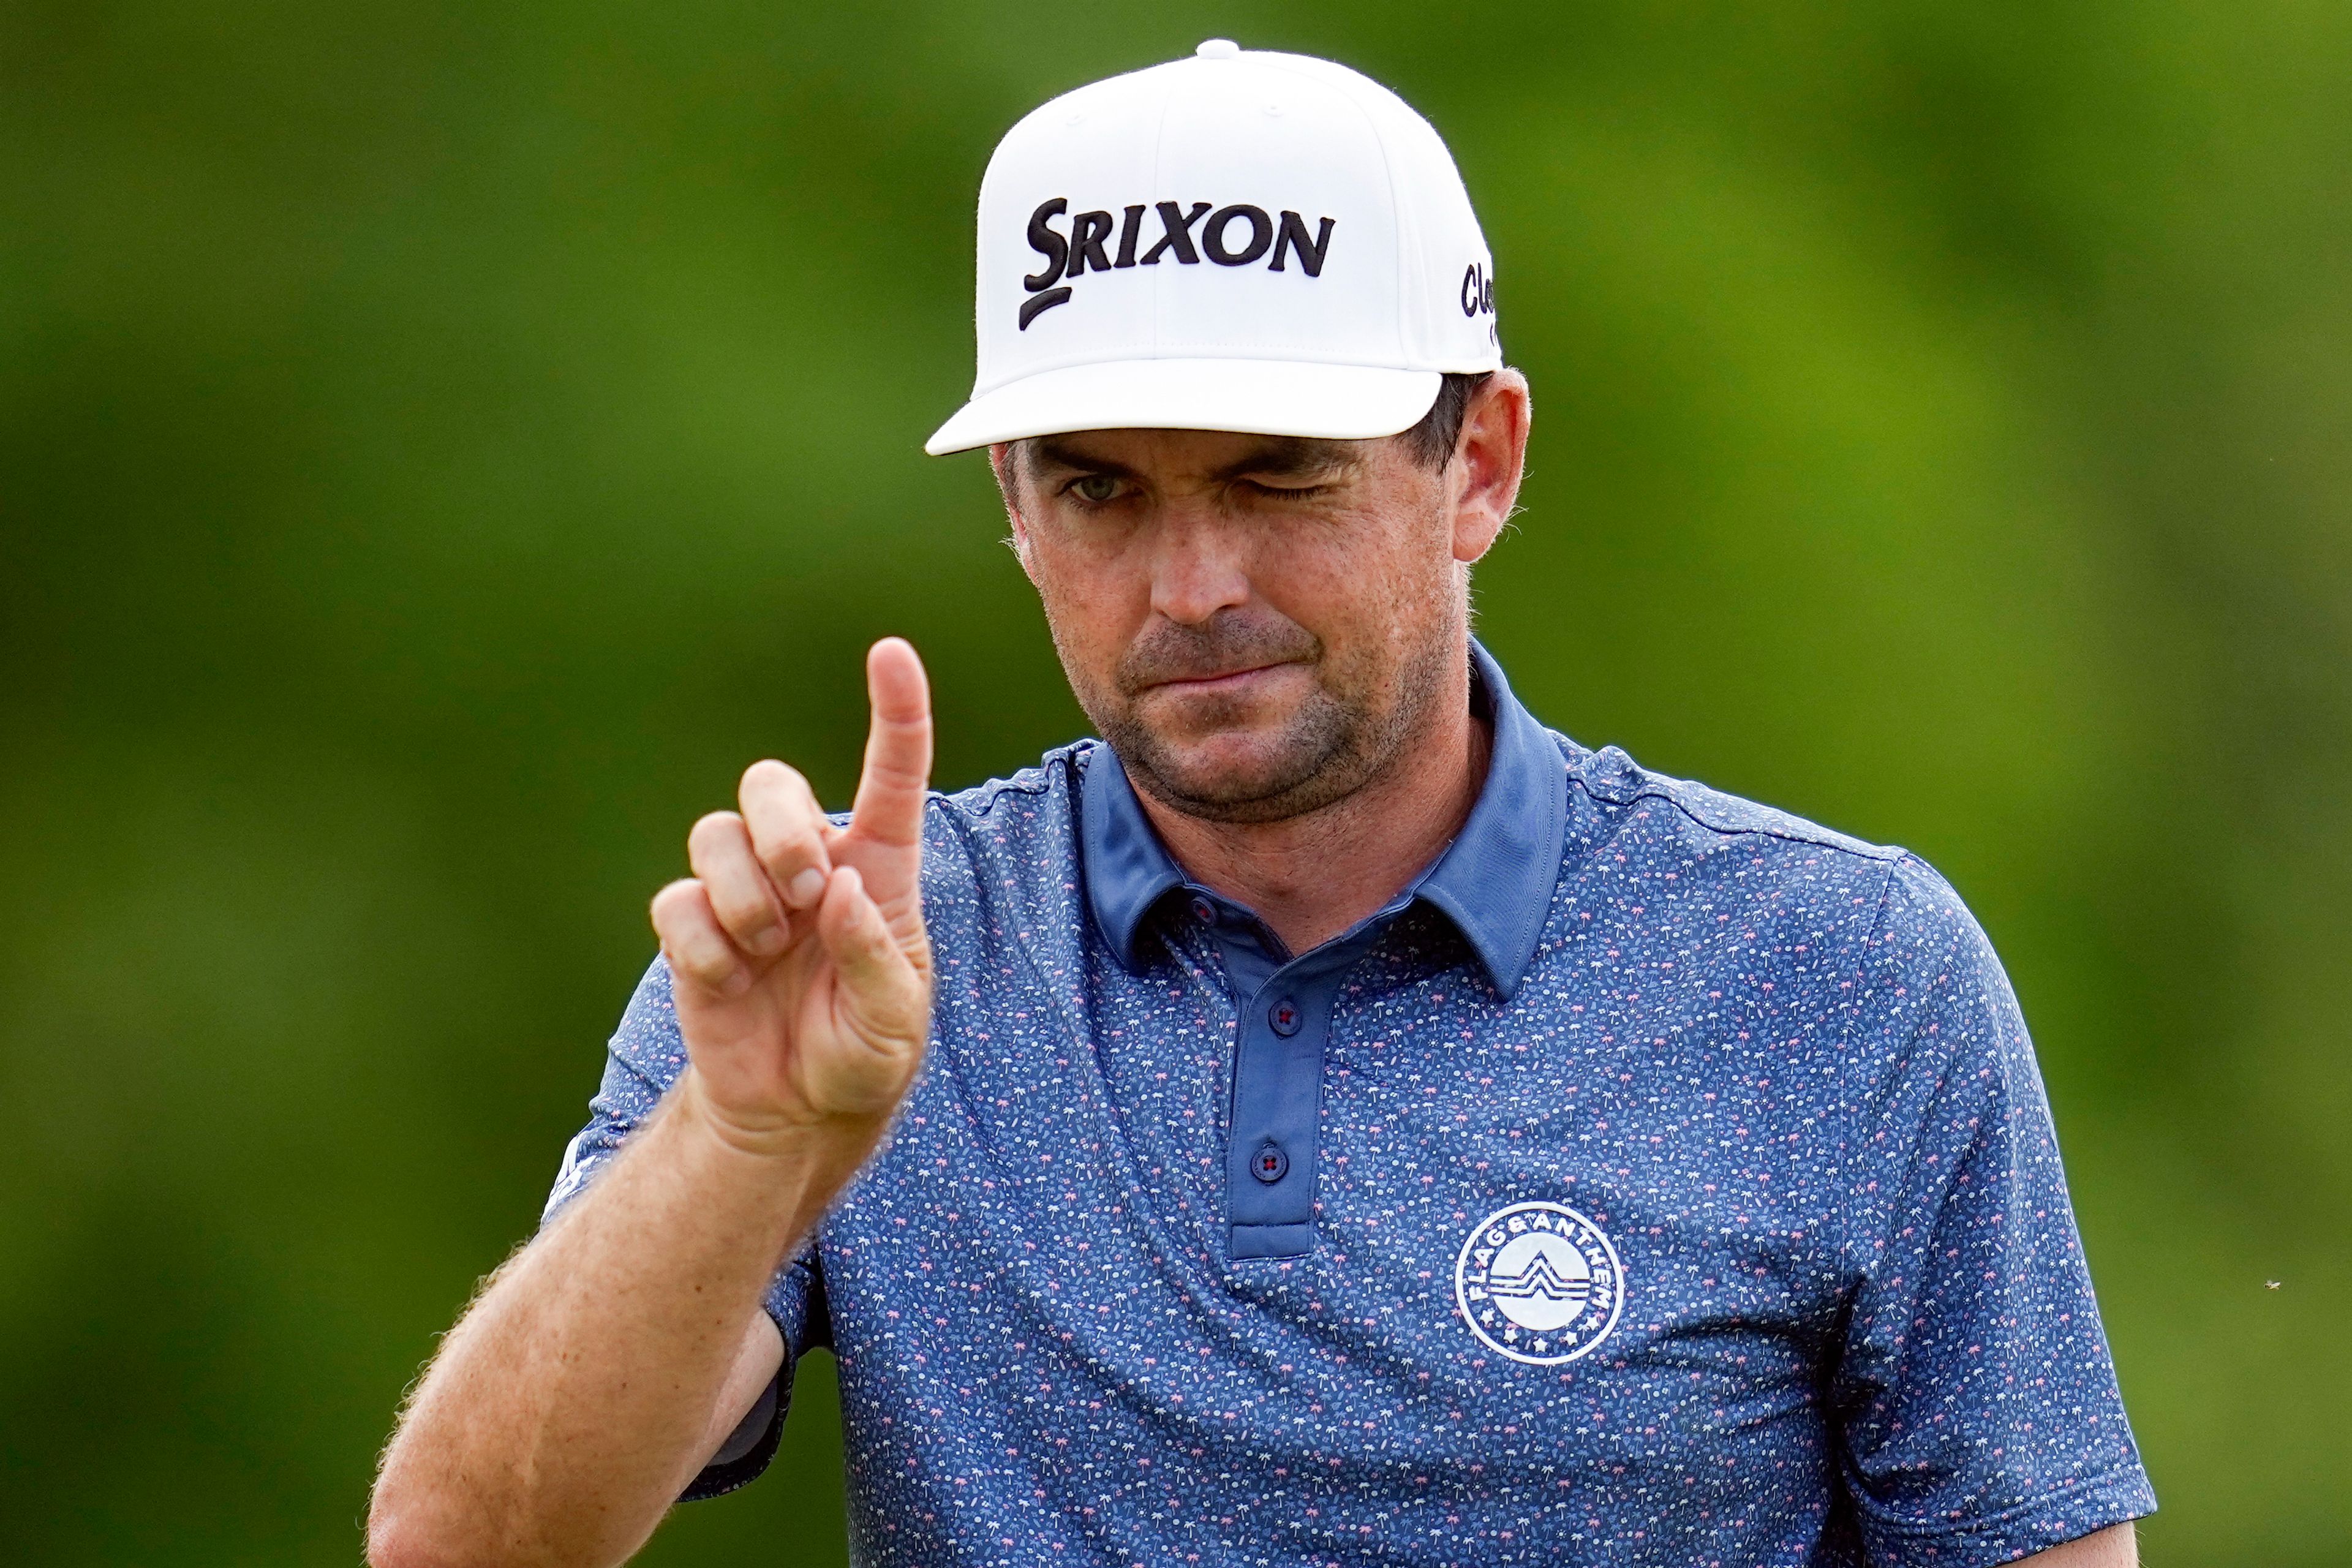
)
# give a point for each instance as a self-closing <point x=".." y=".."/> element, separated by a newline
<point x="1434" y="440"/>
<point x="1431" y="442"/>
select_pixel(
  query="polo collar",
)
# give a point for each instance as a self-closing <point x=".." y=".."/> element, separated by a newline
<point x="1493" y="882"/>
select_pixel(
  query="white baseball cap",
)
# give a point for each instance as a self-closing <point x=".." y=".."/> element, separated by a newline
<point x="1241" y="240"/>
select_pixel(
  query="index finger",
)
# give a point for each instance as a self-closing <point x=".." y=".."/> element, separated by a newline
<point x="890" y="805"/>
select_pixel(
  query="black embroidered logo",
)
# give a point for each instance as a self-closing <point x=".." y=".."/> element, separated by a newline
<point x="1230" y="236"/>
<point x="1477" y="291"/>
<point x="1478" y="297"/>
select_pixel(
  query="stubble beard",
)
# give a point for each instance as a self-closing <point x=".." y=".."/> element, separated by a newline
<point x="1360" y="716"/>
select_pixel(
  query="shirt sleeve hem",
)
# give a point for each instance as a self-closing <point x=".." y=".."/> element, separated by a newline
<point x="718" y="1478"/>
<point x="2068" y="1513"/>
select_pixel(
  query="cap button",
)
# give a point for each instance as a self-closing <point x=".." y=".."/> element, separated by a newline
<point x="1218" y="50"/>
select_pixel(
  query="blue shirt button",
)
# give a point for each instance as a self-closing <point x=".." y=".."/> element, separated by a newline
<point x="1285" y="1017"/>
<point x="1269" y="1164"/>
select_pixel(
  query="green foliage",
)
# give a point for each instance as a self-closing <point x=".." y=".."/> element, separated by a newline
<point x="443" y="444"/>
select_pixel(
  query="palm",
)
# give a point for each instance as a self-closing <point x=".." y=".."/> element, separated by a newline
<point x="832" y="1017"/>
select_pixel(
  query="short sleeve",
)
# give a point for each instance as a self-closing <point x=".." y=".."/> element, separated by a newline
<point x="1980" y="1417"/>
<point x="643" y="1061"/>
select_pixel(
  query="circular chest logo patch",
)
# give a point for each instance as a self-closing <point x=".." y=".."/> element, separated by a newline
<point x="1538" y="1283"/>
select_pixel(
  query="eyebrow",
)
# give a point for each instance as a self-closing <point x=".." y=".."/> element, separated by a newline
<point x="1277" y="457"/>
<point x="1293" y="457"/>
<point x="1044" y="451"/>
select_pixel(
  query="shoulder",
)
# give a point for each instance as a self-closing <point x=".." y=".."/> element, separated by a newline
<point x="1003" y="865"/>
<point x="1772" y="865"/>
<point x="1625" y="804"/>
<point x="1611" y="778"/>
<point x="1025" y="823"/>
<point x="1855" y="963"/>
<point x="1002" y="804"/>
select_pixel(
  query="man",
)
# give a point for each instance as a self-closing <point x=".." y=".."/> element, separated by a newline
<point x="1337" y="1119"/>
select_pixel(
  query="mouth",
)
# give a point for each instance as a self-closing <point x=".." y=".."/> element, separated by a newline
<point x="1223" y="683"/>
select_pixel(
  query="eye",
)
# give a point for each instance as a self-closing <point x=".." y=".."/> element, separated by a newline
<point x="1094" y="488"/>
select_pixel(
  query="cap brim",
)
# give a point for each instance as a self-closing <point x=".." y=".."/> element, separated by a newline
<point x="1260" y="397"/>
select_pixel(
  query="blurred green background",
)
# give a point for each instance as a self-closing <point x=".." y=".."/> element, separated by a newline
<point x="442" y="445"/>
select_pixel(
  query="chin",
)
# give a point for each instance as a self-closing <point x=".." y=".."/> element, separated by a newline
<point x="1236" y="776"/>
<point x="1233" y="763"/>
<point x="1237" y="754"/>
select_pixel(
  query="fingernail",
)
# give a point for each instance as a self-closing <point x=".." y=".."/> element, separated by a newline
<point x="770" y="941"/>
<point x="808" y="887"/>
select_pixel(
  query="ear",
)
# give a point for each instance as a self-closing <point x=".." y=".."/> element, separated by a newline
<point x="1006" y="463"/>
<point x="1488" y="461"/>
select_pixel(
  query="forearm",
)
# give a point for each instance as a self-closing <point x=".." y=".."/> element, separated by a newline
<point x="568" y="1408"/>
<point x="573" y="1402"/>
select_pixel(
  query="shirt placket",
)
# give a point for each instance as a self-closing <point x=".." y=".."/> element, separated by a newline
<point x="1272" y="1121"/>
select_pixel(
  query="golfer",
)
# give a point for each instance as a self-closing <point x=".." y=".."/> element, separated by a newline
<point x="1332" y="1119"/>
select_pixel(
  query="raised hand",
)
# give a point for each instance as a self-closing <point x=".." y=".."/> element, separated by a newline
<point x="799" y="962"/>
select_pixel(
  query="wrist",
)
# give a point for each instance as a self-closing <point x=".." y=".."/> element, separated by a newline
<point x="779" y="1139"/>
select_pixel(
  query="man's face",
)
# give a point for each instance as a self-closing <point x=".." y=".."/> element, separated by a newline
<point x="1257" y="624"/>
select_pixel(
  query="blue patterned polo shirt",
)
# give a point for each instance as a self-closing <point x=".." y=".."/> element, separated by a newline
<point x="1659" y="1180"/>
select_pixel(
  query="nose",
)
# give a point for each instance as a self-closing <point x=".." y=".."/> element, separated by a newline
<point x="1200" y="566"/>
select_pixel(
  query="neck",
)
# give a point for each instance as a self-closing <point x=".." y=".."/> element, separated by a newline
<point x="1311" y="878"/>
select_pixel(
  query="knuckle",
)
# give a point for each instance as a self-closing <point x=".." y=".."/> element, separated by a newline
<point x="769" y="779"/>
<point x="766" y="773"/>
<point x="712" y="830"/>
<point x="676" y="900"/>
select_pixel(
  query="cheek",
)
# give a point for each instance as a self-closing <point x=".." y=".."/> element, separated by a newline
<point x="1094" y="598"/>
<point x="1359" y="575"/>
